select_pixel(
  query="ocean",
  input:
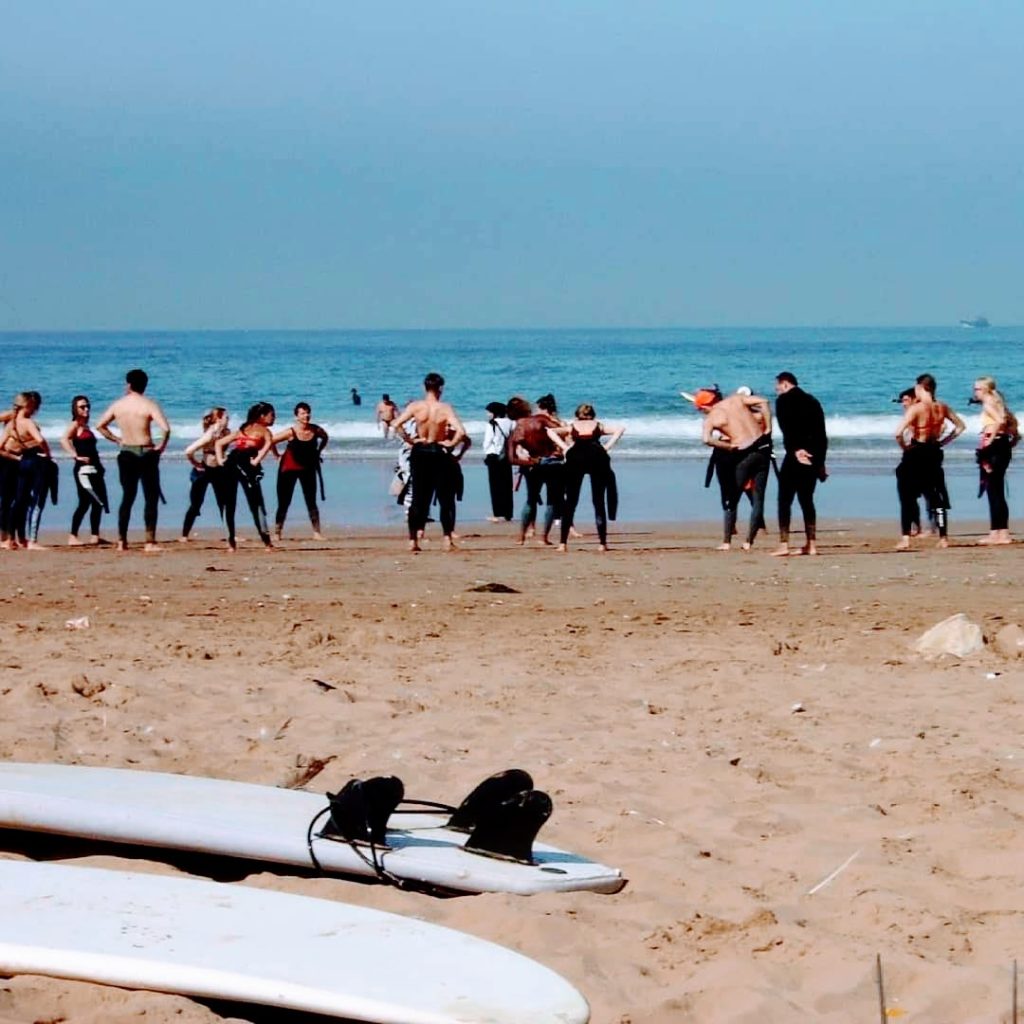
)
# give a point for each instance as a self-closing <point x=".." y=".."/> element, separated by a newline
<point x="633" y="377"/>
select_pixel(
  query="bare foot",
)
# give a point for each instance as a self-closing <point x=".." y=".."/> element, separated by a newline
<point x="724" y="547"/>
<point x="96" y="539"/>
<point x="747" y="545"/>
<point x="317" y="535"/>
<point x="34" y="545"/>
<point x="494" y="519"/>
<point x="781" y="551"/>
<point x="232" y="547"/>
<point x="809" y="548"/>
<point x="449" y="542"/>
<point x="602" y="548"/>
<point x="575" y="534"/>
<point x="563" y="548"/>
<point x="943" y="542"/>
<point x="151" y="545"/>
<point x="414" y="547"/>
<point x="904" y="544"/>
<point x="122" y="545"/>
<point x="183" y="540"/>
<point x="545" y="541"/>
<point x="74" y="542"/>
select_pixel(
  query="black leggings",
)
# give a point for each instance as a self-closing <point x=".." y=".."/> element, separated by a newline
<point x="499" y="480"/>
<point x="434" y="473"/>
<point x="133" y="470"/>
<point x="92" y="498"/>
<point x="202" y="479"/>
<point x="799" y="481"/>
<point x="995" y="461"/>
<point x="586" y="458"/>
<point x="242" y="473"/>
<point x="286" y="480"/>
<point x="735" y="470"/>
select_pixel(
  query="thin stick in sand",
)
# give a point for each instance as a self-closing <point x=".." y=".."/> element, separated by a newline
<point x="835" y="874"/>
<point x="881" y="988"/>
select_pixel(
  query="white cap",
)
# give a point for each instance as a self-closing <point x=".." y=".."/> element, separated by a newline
<point x="744" y="390"/>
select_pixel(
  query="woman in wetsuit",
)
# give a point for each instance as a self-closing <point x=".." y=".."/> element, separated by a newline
<point x="242" y="467"/>
<point x="80" y="443"/>
<point x="206" y="472"/>
<point x="34" y="477"/>
<point x="8" y="477"/>
<point x="995" y="449"/>
<point x="300" y="464"/>
<point x="586" y="455"/>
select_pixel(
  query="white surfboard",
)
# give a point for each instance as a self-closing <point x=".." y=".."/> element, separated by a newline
<point x="238" y="819"/>
<point x="238" y="943"/>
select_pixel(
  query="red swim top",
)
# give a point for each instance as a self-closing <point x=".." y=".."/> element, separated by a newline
<point x="245" y="441"/>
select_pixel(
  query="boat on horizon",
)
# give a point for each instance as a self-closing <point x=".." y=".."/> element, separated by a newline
<point x="975" y="321"/>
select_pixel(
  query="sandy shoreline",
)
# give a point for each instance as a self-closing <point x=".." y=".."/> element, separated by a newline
<point x="650" y="691"/>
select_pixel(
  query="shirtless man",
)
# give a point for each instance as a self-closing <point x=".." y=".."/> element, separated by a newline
<point x="531" y="447"/>
<point x="432" y="465"/>
<point x="386" y="413"/>
<point x="739" y="428"/>
<point x="138" y="461"/>
<point x="922" y="435"/>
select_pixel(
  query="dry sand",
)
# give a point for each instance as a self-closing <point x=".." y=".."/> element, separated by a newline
<point x="655" y="692"/>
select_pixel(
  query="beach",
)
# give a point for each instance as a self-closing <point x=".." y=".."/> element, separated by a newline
<point x="789" y="788"/>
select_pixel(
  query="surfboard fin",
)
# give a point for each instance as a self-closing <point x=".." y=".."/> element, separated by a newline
<point x="507" y="829"/>
<point x="359" y="812"/>
<point x="492" y="791"/>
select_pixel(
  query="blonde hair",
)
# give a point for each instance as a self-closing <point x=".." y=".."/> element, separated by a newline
<point x="585" y="411"/>
<point x="212" y="416"/>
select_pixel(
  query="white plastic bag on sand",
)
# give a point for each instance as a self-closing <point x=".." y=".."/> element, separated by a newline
<point x="956" y="635"/>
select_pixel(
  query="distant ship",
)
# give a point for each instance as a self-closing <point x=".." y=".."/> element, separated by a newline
<point x="975" y="321"/>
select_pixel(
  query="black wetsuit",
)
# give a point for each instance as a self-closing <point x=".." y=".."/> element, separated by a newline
<point x="735" y="470"/>
<point x="137" y="466"/>
<point x="586" y="457"/>
<point x="435" y="473"/>
<point x="240" y="472"/>
<point x="993" y="462"/>
<point x="90" y="484"/>
<point x="918" y="474"/>
<point x="802" y="423"/>
<point x="199" y="480"/>
<point x="300" y="464"/>
<point x="36" y="475"/>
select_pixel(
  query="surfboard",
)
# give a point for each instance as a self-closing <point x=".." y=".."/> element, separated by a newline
<point x="234" y="942"/>
<point x="265" y="823"/>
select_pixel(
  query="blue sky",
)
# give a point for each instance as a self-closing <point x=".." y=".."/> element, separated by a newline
<point x="321" y="163"/>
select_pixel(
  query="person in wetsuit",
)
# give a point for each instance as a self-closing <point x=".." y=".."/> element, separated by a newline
<point x="243" y="468"/>
<point x="587" y="455"/>
<point x="432" y="464"/>
<point x="33" y="476"/>
<point x="995" y="449"/>
<point x="531" y="447"/>
<point x="922" y="435"/>
<point x="80" y="443"/>
<point x="739" y="429"/>
<point x="300" y="464"/>
<point x="206" y="473"/>
<point x="802" y="423"/>
<point x="138" y="460"/>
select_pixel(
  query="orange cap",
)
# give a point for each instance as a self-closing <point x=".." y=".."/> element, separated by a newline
<point x="705" y="398"/>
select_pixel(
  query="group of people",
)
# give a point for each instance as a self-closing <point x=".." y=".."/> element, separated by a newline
<point x="222" y="460"/>
<point x="739" y="430"/>
<point x="553" y="457"/>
